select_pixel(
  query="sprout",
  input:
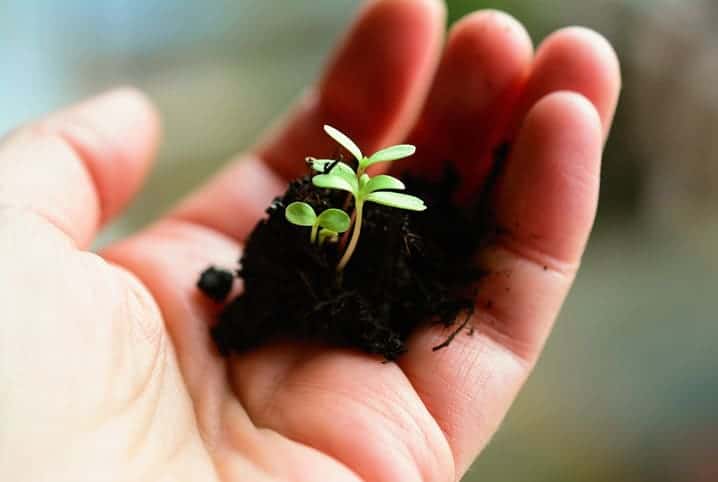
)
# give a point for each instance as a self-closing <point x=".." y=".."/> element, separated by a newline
<point x="338" y="175"/>
<point x="393" y="153"/>
<point x="327" y="235"/>
<point x="332" y="221"/>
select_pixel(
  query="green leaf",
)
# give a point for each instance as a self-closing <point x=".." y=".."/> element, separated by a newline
<point x="392" y="153"/>
<point x="335" y="220"/>
<point x="301" y="214"/>
<point x="397" y="200"/>
<point x="332" y="181"/>
<point x="320" y="165"/>
<point x="344" y="140"/>
<point x="382" y="181"/>
<point x="340" y="169"/>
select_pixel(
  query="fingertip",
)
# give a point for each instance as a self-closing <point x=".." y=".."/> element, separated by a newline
<point x="78" y="167"/>
<point x="121" y="129"/>
<point x="547" y="199"/>
<point x="130" y="110"/>
<point x="565" y="111"/>
<point x="588" y="43"/>
<point x="485" y="63"/>
<point x="438" y="6"/>
<point x="564" y="133"/>
<point x="490" y="55"/>
<point x="472" y="28"/>
<point x="127" y="103"/>
<point x="581" y="60"/>
<point x="435" y="9"/>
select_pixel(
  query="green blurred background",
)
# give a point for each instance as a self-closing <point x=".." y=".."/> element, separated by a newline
<point x="627" y="389"/>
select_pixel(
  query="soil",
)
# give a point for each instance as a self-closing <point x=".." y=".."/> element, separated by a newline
<point x="409" y="269"/>
<point x="216" y="283"/>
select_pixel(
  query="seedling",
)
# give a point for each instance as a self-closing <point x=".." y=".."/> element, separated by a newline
<point x="345" y="294"/>
<point x="331" y="221"/>
<point x="364" y="188"/>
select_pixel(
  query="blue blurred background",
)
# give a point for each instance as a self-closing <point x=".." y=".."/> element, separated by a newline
<point x="628" y="387"/>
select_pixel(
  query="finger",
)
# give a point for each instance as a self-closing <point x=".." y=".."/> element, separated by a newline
<point x="372" y="87"/>
<point x="486" y="61"/>
<point x="78" y="167"/>
<point x="545" y="207"/>
<point x="234" y="199"/>
<point x="578" y="60"/>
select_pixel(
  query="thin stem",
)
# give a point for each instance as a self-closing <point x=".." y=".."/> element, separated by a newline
<point x="313" y="237"/>
<point x="345" y="237"/>
<point x="355" y="237"/>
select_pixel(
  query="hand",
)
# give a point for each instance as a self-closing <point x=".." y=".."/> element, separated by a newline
<point x="106" y="368"/>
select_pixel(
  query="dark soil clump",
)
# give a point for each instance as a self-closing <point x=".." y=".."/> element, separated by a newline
<point x="409" y="269"/>
<point x="216" y="283"/>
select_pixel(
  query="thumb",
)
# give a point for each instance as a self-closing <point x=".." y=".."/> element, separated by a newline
<point x="78" y="167"/>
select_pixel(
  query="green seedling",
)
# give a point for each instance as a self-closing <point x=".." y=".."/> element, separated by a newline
<point x="327" y="235"/>
<point x="364" y="188"/>
<point x="325" y="227"/>
<point x="385" y="155"/>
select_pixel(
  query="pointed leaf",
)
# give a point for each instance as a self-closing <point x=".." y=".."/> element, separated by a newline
<point x="345" y="141"/>
<point x="383" y="181"/>
<point x="397" y="200"/>
<point x="331" y="181"/>
<point x="301" y="214"/>
<point x="340" y="169"/>
<point x="335" y="220"/>
<point x="392" y="153"/>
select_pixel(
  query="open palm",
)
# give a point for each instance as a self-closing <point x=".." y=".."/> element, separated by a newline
<point x="107" y="371"/>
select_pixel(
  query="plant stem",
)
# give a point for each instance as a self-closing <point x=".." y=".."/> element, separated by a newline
<point x="313" y="236"/>
<point x="355" y="237"/>
<point x="345" y="237"/>
<point x="348" y="200"/>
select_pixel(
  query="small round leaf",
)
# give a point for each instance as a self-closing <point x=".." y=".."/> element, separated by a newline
<point x="301" y="214"/>
<point x="397" y="200"/>
<point x="344" y="140"/>
<point x="331" y="181"/>
<point x="334" y="220"/>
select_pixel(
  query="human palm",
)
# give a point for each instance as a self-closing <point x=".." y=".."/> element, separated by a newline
<point x="107" y="371"/>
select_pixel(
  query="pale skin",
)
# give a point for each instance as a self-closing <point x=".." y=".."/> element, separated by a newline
<point x="106" y="368"/>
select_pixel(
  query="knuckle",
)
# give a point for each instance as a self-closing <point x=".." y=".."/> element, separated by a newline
<point x="25" y="232"/>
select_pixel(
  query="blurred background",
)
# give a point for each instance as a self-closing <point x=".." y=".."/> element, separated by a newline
<point x="628" y="387"/>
